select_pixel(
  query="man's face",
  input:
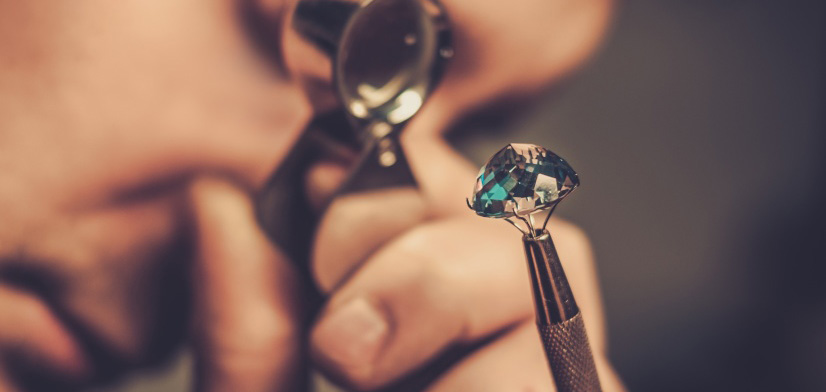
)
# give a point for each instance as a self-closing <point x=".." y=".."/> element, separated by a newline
<point x="108" y="110"/>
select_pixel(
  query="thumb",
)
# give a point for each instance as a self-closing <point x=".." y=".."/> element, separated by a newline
<point x="247" y="298"/>
<point x="444" y="176"/>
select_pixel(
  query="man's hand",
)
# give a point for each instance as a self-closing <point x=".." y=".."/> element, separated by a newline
<point x="412" y="274"/>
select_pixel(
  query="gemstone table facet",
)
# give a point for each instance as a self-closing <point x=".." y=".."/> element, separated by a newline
<point x="521" y="179"/>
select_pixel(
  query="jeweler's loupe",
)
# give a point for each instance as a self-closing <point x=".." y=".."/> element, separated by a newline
<point x="367" y="66"/>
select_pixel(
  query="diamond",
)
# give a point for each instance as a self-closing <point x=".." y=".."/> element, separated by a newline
<point x="521" y="179"/>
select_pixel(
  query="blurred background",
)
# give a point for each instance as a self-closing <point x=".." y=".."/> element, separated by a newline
<point x="698" y="133"/>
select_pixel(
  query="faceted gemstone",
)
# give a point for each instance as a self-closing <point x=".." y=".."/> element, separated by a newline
<point x="521" y="179"/>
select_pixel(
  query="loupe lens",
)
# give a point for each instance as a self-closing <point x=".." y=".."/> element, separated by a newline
<point x="384" y="66"/>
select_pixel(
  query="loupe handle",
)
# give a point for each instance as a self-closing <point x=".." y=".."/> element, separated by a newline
<point x="283" y="209"/>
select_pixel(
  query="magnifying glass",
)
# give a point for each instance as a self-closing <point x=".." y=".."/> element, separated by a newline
<point x="368" y="67"/>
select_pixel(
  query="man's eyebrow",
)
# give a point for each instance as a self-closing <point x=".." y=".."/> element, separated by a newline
<point x="265" y="31"/>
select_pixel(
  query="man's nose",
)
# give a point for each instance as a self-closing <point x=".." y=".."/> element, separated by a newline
<point x="249" y="140"/>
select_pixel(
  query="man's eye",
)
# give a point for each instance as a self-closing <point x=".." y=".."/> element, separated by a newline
<point x="263" y="24"/>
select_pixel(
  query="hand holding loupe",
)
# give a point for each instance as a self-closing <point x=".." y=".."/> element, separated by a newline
<point x="369" y="66"/>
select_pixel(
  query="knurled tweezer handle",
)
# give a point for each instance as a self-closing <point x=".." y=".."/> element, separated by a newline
<point x="569" y="355"/>
<point x="558" y="319"/>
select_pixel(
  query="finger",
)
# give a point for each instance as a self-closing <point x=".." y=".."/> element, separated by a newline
<point x="426" y="290"/>
<point x="247" y="298"/>
<point x="322" y="180"/>
<point x="36" y="343"/>
<point x="445" y="283"/>
<point x="355" y="225"/>
<point x="515" y="362"/>
<point x="444" y="177"/>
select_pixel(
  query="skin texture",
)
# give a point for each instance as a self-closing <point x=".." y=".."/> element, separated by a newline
<point x="132" y="136"/>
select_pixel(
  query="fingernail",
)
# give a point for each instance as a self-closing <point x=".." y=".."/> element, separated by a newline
<point x="351" y="335"/>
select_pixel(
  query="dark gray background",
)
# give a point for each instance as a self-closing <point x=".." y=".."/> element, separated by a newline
<point x="698" y="135"/>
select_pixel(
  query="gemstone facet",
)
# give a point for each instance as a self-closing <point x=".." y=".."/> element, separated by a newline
<point x="521" y="179"/>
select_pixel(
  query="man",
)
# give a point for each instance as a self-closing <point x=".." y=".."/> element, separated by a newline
<point x="132" y="136"/>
